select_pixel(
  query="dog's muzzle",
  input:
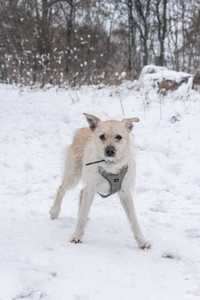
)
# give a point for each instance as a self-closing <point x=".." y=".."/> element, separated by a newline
<point x="110" y="151"/>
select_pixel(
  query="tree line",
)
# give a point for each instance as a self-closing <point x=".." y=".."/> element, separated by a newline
<point x="92" y="41"/>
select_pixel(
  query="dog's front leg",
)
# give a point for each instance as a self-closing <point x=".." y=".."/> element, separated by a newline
<point x="87" y="196"/>
<point x="128" y="205"/>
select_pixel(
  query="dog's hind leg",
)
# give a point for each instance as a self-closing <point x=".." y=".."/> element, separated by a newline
<point x="71" y="178"/>
<point x="56" y="207"/>
<point x="80" y="200"/>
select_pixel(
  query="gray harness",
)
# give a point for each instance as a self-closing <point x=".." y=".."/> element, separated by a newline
<point x="114" y="180"/>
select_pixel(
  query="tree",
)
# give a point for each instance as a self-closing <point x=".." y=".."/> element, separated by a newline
<point x="131" y="37"/>
<point x="143" y="23"/>
<point x="161" y="16"/>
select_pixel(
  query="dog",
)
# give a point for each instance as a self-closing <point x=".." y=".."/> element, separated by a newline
<point x="102" y="157"/>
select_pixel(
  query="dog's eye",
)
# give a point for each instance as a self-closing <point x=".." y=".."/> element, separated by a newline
<point x="102" y="137"/>
<point x="118" y="137"/>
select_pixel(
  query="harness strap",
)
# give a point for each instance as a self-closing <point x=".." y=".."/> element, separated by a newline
<point x="114" y="180"/>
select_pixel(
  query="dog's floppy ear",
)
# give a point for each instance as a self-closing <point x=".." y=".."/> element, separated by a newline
<point x="129" y="122"/>
<point x="92" y="121"/>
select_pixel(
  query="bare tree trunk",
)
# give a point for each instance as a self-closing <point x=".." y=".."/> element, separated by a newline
<point x="162" y="28"/>
<point x="70" y="20"/>
<point x="45" y="28"/>
<point x="131" y="39"/>
<point x="142" y="9"/>
<point x="146" y="53"/>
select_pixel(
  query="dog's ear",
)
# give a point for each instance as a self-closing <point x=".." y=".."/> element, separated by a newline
<point x="92" y="121"/>
<point x="129" y="122"/>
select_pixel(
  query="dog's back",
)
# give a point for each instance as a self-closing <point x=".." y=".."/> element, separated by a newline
<point x="81" y="138"/>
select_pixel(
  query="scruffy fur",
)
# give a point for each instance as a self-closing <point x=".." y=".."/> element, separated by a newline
<point x="89" y="146"/>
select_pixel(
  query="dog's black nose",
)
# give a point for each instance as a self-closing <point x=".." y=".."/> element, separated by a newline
<point x="110" y="151"/>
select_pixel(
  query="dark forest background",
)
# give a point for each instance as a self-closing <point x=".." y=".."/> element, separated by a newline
<point x="77" y="42"/>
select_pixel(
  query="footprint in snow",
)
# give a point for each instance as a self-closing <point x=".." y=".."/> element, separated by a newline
<point x="171" y="255"/>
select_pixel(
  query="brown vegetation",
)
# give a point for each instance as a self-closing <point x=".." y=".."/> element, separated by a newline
<point x="92" y="41"/>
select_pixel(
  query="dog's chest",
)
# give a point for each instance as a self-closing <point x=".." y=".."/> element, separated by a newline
<point x="102" y="186"/>
<point x="110" y="183"/>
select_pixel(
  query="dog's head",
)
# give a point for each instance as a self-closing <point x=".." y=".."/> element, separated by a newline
<point x="111" y="137"/>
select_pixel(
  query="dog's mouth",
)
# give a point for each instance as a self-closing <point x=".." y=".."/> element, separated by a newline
<point x="109" y="160"/>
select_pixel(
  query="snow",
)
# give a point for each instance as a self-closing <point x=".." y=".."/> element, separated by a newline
<point x="36" y="259"/>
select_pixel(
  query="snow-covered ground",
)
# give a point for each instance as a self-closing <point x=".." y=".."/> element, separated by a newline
<point x="36" y="259"/>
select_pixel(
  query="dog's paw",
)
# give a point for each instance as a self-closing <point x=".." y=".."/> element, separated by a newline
<point x="75" y="240"/>
<point x="54" y="212"/>
<point x="144" y="244"/>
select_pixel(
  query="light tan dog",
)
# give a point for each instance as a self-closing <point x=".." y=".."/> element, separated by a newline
<point x="102" y="157"/>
